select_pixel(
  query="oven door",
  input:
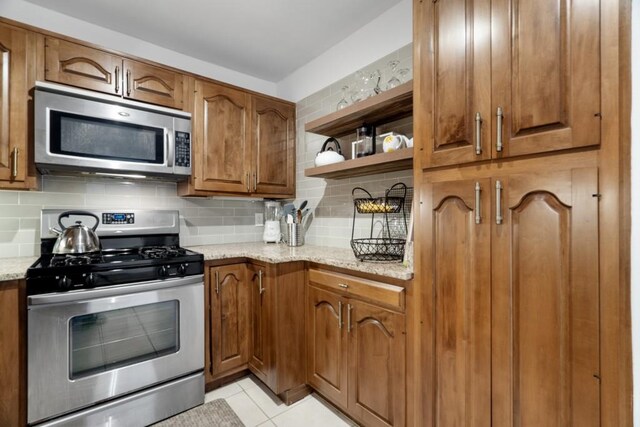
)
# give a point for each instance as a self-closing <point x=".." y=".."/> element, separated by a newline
<point x="89" y="346"/>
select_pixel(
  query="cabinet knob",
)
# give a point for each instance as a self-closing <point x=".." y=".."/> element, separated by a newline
<point x="343" y="286"/>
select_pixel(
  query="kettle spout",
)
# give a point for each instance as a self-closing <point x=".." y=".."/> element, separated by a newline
<point x="55" y="231"/>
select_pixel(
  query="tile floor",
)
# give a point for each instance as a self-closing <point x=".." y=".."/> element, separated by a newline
<point x="256" y="405"/>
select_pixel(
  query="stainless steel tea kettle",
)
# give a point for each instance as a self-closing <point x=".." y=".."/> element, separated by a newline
<point x="78" y="238"/>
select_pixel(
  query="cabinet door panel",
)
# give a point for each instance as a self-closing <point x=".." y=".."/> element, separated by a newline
<point x="545" y="343"/>
<point x="230" y="296"/>
<point x="546" y="74"/>
<point x="455" y="77"/>
<point x="15" y="81"/>
<point x="221" y="123"/>
<point x="156" y="85"/>
<point x="261" y="360"/>
<point x="461" y="274"/>
<point x="376" y="364"/>
<point x="82" y="66"/>
<point x="326" y="349"/>
<point x="274" y="147"/>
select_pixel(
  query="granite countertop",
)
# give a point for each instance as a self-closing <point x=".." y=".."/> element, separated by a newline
<point x="277" y="253"/>
<point x="16" y="268"/>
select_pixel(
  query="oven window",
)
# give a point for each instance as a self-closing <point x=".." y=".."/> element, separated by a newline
<point x="111" y="339"/>
<point x="81" y="136"/>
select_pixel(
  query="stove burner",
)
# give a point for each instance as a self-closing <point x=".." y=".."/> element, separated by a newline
<point x="69" y="259"/>
<point x="151" y="252"/>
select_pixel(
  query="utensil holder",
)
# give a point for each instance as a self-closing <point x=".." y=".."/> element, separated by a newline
<point x="295" y="234"/>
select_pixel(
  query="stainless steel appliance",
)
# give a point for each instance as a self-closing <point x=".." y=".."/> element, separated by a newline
<point x="117" y="337"/>
<point x="82" y="132"/>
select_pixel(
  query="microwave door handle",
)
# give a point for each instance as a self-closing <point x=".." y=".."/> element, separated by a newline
<point x="170" y="150"/>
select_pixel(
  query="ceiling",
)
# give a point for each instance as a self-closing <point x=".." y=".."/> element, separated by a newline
<point x="267" y="39"/>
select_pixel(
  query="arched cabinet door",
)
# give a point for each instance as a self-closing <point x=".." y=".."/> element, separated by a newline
<point x="545" y="300"/>
<point x="376" y="364"/>
<point x="229" y="294"/>
<point x="262" y="358"/>
<point x="326" y="346"/>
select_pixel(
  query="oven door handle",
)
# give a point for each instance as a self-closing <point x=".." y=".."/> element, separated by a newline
<point x="111" y="291"/>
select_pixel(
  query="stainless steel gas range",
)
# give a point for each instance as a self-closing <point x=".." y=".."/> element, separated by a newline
<point x="116" y="337"/>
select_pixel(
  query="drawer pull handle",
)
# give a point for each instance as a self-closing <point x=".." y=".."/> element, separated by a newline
<point x="349" y="327"/>
<point x="342" y="285"/>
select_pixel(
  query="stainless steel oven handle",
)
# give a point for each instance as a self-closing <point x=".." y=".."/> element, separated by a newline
<point x="110" y="291"/>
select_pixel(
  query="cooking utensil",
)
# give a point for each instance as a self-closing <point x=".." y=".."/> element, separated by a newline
<point x="78" y="238"/>
<point x="289" y="209"/>
<point x="327" y="155"/>
<point x="303" y="205"/>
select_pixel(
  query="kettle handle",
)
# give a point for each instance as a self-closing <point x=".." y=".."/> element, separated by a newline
<point x="335" y="141"/>
<point x="82" y="213"/>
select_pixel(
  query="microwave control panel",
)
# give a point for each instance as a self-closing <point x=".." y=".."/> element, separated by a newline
<point x="118" y="218"/>
<point x="183" y="149"/>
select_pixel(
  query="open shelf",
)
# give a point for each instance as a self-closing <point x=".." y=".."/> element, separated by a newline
<point x="393" y="104"/>
<point x="369" y="165"/>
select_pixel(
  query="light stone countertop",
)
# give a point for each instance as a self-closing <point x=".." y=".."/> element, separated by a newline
<point x="16" y="268"/>
<point x="278" y="253"/>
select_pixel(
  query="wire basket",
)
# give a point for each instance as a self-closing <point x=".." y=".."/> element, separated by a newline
<point x="378" y="249"/>
<point x="389" y="245"/>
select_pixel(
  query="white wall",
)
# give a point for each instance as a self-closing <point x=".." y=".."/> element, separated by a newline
<point x="382" y="36"/>
<point x="635" y="206"/>
<point x="29" y="13"/>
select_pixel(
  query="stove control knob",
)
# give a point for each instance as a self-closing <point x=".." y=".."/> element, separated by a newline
<point x="90" y="281"/>
<point x="164" y="271"/>
<point x="182" y="269"/>
<point x="64" y="283"/>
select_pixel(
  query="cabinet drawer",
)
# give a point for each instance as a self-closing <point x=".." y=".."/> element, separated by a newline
<point x="383" y="293"/>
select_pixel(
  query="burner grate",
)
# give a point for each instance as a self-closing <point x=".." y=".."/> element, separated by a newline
<point x="153" y="252"/>
<point x="71" y="259"/>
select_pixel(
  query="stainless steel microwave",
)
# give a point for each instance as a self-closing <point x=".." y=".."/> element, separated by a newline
<point x="82" y="132"/>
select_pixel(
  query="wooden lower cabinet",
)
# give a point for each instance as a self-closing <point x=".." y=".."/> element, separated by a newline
<point x="228" y="315"/>
<point x="277" y="338"/>
<point x="13" y="356"/>
<point x="356" y="356"/>
<point x="511" y="264"/>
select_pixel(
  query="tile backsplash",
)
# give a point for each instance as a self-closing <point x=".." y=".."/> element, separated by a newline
<point x="202" y="221"/>
<point x="215" y="220"/>
<point x="331" y="199"/>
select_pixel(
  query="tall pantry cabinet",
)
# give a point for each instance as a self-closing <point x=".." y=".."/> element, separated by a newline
<point x="509" y="125"/>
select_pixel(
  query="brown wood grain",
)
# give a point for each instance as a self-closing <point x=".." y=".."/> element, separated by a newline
<point x="274" y="151"/>
<point x="376" y="359"/>
<point x="222" y="128"/>
<point x="17" y="75"/>
<point x="461" y="280"/>
<point x="13" y="367"/>
<point x="77" y="65"/>
<point x="545" y="298"/>
<point x="152" y="84"/>
<point x="327" y="345"/>
<point x="378" y="292"/>
<point x="550" y="96"/>
<point x="230" y="310"/>
<point x="385" y="107"/>
<point x="378" y="163"/>
<point x="262" y="360"/>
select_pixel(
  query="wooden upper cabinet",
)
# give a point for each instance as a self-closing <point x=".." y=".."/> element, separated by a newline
<point x="144" y="82"/>
<point x="222" y="128"/>
<point x="17" y="65"/>
<point x="230" y="314"/>
<point x="77" y="65"/>
<point x="454" y="80"/>
<point x="274" y="147"/>
<point x="82" y="66"/>
<point x="500" y="78"/>
<point x="376" y="364"/>
<point x="326" y="345"/>
<point x="546" y="74"/>
<point x="545" y="304"/>
<point x="459" y="249"/>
